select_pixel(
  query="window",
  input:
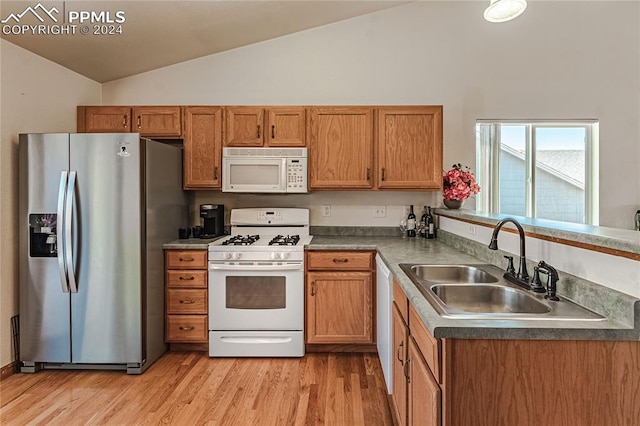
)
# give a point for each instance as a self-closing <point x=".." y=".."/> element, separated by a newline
<point x="546" y="170"/>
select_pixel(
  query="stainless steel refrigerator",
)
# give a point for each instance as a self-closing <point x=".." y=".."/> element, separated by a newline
<point x="94" y="212"/>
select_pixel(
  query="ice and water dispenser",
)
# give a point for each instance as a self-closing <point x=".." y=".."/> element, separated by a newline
<point x="42" y="235"/>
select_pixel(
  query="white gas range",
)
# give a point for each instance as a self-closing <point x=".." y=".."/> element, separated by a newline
<point x="256" y="285"/>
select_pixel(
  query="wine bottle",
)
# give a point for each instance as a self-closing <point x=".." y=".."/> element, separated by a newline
<point x="411" y="223"/>
<point x="423" y="223"/>
<point x="431" y="229"/>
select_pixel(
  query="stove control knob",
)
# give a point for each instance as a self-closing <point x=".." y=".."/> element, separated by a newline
<point x="235" y="255"/>
<point x="274" y="255"/>
<point x="226" y="255"/>
<point x="284" y="255"/>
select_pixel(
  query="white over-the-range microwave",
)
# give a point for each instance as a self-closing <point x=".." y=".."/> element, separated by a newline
<point x="264" y="170"/>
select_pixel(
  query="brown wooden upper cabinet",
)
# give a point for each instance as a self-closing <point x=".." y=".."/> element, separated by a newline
<point x="340" y="148"/>
<point x="157" y="121"/>
<point x="202" y="147"/>
<point x="265" y="127"/>
<point x="409" y="147"/>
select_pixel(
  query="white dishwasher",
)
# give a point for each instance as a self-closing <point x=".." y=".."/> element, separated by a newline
<point x="384" y="292"/>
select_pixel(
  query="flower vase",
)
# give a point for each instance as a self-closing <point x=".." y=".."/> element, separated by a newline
<point x="453" y="204"/>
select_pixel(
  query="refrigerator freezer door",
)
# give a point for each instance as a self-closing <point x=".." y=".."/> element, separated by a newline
<point x="107" y="248"/>
<point x="44" y="307"/>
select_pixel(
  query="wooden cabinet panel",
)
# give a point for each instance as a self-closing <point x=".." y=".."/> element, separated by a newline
<point x="202" y="147"/>
<point x="286" y="127"/>
<point x="187" y="328"/>
<point x="188" y="278"/>
<point x="399" y="392"/>
<point x="424" y="393"/>
<point x="244" y="126"/>
<point x="339" y="307"/>
<point x="162" y="121"/>
<point x="342" y="260"/>
<point x="340" y="148"/>
<point x="186" y="259"/>
<point x="429" y="345"/>
<point x="409" y="142"/>
<point x="401" y="301"/>
<point x="186" y="301"/>
<point x="104" y="119"/>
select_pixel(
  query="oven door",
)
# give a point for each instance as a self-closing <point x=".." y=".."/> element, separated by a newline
<point x="256" y="296"/>
<point x="259" y="174"/>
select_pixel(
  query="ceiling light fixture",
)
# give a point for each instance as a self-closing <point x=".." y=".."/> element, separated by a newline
<point x="504" y="10"/>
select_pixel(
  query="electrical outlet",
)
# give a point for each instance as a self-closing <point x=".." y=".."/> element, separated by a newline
<point x="472" y="230"/>
<point x="379" y="211"/>
<point x="326" y="210"/>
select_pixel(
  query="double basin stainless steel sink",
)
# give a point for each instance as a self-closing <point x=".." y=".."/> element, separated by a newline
<point x="480" y="292"/>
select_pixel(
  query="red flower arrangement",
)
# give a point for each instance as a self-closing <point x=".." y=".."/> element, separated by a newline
<point x="459" y="184"/>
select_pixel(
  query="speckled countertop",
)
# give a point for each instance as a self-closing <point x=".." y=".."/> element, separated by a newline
<point x="396" y="250"/>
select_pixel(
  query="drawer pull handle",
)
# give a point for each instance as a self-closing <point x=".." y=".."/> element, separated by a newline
<point x="400" y="358"/>
<point x="383" y="174"/>
<point x="340" y="260"/>
<point x="258" y="133"/>
<point x="139" y="123"/>
<point x="187" y="302"/>
<point x="187" y="259"/>
<point x="191" y="278"/>
<point x="273" y="132"/>
<point x="189" y="328"/>
<point x="124" y="121"/>
<point x="407" y="371"/>
<point x="313" y="288"/>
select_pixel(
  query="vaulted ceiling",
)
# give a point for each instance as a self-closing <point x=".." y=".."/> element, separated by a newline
<point x="155" y="34"/>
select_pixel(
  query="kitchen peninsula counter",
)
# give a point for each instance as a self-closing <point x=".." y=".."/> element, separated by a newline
<point x="396" y="250"/>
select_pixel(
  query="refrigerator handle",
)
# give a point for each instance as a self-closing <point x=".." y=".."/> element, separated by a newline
<point x="68" y="241"/>
<point x="60" y="234"/>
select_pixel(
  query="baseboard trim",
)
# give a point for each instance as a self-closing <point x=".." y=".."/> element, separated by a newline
<point x="324" y="347"/>
<point x="7" y="370"/>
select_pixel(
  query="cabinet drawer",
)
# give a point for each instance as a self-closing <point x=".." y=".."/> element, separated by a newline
<point x="428" y="345"/>
<point x="401" y="301"/>
<point x="186" y="328"/>
<point x="340" y="260"/>
<point x="182" y="278"/>
<point x="186" y="301"/>
<point x="186" y="259"/>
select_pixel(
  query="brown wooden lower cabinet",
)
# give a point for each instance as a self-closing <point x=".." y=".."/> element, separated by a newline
<point x="186" y="299"/>
<point x="483" y="382"/>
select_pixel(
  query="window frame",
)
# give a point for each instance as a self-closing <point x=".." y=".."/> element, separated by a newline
<point x="488" y="142"/>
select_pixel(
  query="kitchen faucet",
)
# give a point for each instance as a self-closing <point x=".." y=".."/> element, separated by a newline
<point x="522" y="276"/>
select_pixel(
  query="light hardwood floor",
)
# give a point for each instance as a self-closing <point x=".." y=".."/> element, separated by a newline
<point x="190" y="388"/>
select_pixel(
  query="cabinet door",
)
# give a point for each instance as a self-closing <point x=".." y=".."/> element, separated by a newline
<point x="286" y="127"/>
<point x="107" y="119"/>
<point x="399" y="392"/>
<point x="424" y="392"/>
<point x="409" y="144"/>
<point x="164" y="121"/>
<point x="340" y="148"/>
<point x="339" y="307"/>
<point x="244" y="126"/>
<point x="202" y="147"/>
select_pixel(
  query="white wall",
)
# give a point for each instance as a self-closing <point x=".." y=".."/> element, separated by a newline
<point x="37" y="96"/>
<point x="560" y="60"/>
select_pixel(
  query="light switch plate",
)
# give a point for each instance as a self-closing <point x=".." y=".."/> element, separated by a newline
<point x="379" y="211"/>
<point x="326" y="210"/>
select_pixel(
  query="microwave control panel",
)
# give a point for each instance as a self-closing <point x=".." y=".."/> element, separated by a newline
<point x="296" y="175"/>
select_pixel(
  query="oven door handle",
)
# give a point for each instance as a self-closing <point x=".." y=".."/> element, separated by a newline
<point x="224" y="267"/>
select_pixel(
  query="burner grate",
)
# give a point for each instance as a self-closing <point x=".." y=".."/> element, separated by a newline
<point x="241" y="240"/>
<point x="280" y="240"/>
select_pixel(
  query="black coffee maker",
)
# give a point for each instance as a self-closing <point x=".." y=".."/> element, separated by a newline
<point x="212" y="220"/>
